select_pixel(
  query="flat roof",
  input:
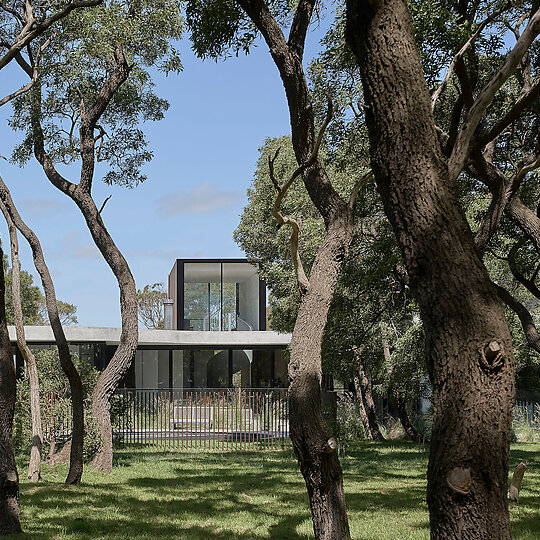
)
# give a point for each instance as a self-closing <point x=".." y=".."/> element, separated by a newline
<point x="159" y="338"/>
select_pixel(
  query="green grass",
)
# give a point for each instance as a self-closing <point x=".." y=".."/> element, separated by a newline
<point x="239" y="495"/>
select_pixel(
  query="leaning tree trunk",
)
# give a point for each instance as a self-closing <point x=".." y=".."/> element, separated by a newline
<point x="81" y="194"/>
<point x="403" y="415"/>
<point x="399" y="400"/>
<point x="69" y="369"/>
<point x="9" y="478"/>
<point x="317" y="458"/>
<point x="366" y="404"/>
<point x="111" y="376"/>
<point x="469" y="348"/>
<point x="34" y="467"/>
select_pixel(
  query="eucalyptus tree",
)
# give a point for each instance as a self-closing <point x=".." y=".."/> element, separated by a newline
<point x="92" y="92"/>
<point x="218" y="27"/>
<point x="416" y="165"/>
<point x="22" y="23"/>
<point x="150" y="300"/>
<point x="352" y="347"/>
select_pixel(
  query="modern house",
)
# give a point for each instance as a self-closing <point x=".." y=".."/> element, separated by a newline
<point x="215" y="334"/>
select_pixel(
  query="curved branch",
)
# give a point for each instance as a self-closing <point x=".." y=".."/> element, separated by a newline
<point x="513" y="114"/>
<point x="76" y="455"/>
<point x="34" y="467"/>
<point x="527" y="283"/>
<point x="32" y="29"/>
<point x="303" y="281"/>
<point x="33" y="76"/>
<point x="462" y="51"/>
<point x="359" y="183"/>
<point x="461" y="148"/>
<point x="527" y="323"/>
<point x="297" y="35"/>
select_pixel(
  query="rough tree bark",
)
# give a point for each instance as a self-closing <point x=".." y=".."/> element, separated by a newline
<point x="75" y="384"/>
<point x="366" y="404"/>
<point x="469" y="348"/>
<point x="9" y="478"/>
<point x="34" y="467"/>
<point x="318" y="461"/>
<point x="81" y="194"/>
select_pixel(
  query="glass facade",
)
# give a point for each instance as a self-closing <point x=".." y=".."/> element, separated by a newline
<point x="202" y="368"/>
<point x="189" y="368"/>
<point x="216" y="296"/>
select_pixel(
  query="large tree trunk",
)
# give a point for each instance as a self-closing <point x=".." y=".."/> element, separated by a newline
<point x="318" y="461"/>
<point x="75" y="384"/>
<point x="81" y="194"/>
<point x="34" y="467"/>
<point x="366" y="404"/>
<point x="469" y="347"/>
<point x="9" y="478"/>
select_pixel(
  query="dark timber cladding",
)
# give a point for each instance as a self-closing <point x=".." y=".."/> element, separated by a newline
<point x="176" y="290"/>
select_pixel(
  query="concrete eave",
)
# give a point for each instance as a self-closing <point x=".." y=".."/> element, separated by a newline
<point x="177" y="338"/>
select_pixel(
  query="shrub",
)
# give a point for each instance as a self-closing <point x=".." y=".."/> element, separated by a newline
<point x="55" y="404"/>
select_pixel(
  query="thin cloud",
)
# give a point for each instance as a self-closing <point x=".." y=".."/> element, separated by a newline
<point x="164" y="254"/>
<point x="40" y="207"/>
<point x="202" y="199"/>
<point x="73" y="248"/>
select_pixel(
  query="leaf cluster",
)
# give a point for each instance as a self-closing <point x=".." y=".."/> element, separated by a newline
<point x="77" y="64"/>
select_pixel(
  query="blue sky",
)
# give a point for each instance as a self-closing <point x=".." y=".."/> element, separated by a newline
<point x="205" y="152"/>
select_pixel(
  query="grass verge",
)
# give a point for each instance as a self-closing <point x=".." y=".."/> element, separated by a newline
<point x="238" y="495"/>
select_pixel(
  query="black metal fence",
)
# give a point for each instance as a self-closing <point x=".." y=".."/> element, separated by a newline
<point x="529" y="411"/>
<point x="214" y="419"/>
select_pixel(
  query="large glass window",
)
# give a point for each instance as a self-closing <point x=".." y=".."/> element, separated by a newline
<point x="221" y="296"/>
<point x="152" y="368"/>
<point x="202" y="296"/>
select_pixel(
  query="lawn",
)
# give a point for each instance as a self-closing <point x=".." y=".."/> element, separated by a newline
<point x="240" y="495"/>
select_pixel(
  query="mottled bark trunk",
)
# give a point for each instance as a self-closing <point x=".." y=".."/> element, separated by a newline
<point x="469" y="347"/>
<point x="318" y="462"/>
<point x="125" y="352"/>
<point x="34" y="467"/>
<point x="366" y="404"/>
<point x="69" y="369"/>
<point x="9" y="478"/>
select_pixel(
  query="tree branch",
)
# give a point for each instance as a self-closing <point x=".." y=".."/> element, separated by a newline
<point x="359" y="183"/>
<point x="461" y="148"/>
<point x="300" y="24"/>
<point x="34" y="74"/>
<point x="527" y="322"/>
<point x="90" y="117"/>
<point x="527" y="283"/>
<point x="33" y="29"/>
<point x="522" y="103"/>
<point x="462" y="51"/>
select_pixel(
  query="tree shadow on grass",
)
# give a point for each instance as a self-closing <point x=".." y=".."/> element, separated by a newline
<point x="233" y="496"/>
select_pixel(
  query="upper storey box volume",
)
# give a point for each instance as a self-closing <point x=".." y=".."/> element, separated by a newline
<point x="217" y="295"/>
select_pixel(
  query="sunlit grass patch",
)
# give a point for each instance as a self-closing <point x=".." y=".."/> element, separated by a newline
<point x="256" y="495"/>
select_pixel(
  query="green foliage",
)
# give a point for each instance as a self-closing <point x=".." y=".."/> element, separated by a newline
<point x="33" y="304"/>
<point x="218" y="26"/>
<point x="77" y="64"/>
<point x="55" y="403"/>
<point x="31" y="299"/>
<point x="150" y="300"/>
